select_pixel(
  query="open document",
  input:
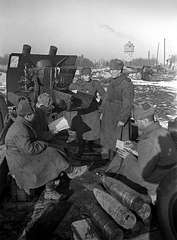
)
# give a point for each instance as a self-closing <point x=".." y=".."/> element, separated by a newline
<point x="121" y="144"/>
<point x="59" y="125"/>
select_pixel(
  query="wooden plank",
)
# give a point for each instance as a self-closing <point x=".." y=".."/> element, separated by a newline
<point x="82" y="230"/>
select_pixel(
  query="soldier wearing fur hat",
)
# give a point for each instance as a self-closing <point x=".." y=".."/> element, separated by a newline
<point x="116" y="108"/>
<point x="44" y="106"/>
<point x="32" y="162"/>
<point x="156" y="152"/>
<point x="90" y="117"/>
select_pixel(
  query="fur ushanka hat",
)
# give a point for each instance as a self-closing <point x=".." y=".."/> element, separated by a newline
<point x="142" y="111"/>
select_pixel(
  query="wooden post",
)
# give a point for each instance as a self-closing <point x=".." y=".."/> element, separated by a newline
<point x="164" y="54"/>
<point x="157" y="55"/>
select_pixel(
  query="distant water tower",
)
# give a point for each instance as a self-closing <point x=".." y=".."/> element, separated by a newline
<point x="128" y="50"/>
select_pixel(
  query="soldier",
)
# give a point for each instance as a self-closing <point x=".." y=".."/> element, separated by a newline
<point x="32" y="162"/>
<point x="90" y="118"/>
<point x="44" y="106"/>
<point x="156" y="152"/>
<point x="116" y="108"/>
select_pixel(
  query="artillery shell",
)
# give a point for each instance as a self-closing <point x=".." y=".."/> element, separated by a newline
<point x="110" y="229"/>
<point x="126" y="195"/>
<point x="145" y="214"/>
<point x="121" y="214"/>
<point x="137" y="228"/>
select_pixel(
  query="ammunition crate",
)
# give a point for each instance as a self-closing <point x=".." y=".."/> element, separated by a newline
<point x="82" y="229"/>
<point x="19" y="195"/>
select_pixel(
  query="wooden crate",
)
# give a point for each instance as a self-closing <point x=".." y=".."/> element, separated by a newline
<point x="19" y="195"/>
<point x="82" y="229"/>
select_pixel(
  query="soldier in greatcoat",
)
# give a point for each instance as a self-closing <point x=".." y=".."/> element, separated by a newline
<point x="32" y="162"/>
<point x="43" y="110"/>
<point x="89" y="128"/>
<point x="116" y="108"/>
<point x="156" y="152"/>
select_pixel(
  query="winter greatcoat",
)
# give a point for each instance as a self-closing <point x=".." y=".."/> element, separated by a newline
<point x="157" y="154"/>
<point x="116" y="107"/>
<point x="40" y="125"/>
<point x="90" y="116"/>
<point x="30" y="161"/>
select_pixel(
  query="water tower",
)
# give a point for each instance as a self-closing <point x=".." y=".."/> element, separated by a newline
<point x="128" y="50"/>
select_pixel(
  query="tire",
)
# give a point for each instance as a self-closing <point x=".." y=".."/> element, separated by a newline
<point x="166" y="205"/>
<point x="3" y="111"/>
<point x="1" y="122"/>
<point x="3" y="106"/>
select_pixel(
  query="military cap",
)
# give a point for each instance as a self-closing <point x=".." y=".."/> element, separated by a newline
<point x="24" y="107"/>
<point x="45" y="99"/>
<point x="116" y="64"/>
<point x="143" y="110"/>
<point x="86" y="70"/>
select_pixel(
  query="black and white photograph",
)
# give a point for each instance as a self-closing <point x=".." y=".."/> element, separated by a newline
<point x="88" y="120"/>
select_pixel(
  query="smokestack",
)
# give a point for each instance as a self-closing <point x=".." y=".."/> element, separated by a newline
<point x="53" y="50"/>
<point x="26" y="49"/>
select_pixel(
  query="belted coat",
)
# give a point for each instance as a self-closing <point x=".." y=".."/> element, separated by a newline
<point x="116" y="107"/>
<point x="40" y="126"/>
<point x="157" y="154"/>
<point x="90" y="116"/>
<point x="31" y="161"/>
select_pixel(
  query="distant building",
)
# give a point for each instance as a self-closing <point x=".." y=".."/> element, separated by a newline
<point x="172" y="63"/>
<point x="128" y="50"/>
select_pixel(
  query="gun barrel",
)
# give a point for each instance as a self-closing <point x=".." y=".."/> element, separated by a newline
<point x="26" y="49"/>
<point x="53" y="50"/>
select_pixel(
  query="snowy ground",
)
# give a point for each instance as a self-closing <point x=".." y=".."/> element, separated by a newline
<point x="14" y="216"/>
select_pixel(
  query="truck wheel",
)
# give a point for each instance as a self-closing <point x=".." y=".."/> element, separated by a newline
<point x="1" y="122"/>
<point x="166" y="205"/>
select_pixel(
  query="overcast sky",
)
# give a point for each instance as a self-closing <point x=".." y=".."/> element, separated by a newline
<point x="95" y="28"/>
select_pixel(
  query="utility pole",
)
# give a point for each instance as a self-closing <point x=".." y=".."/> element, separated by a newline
<point x="157" y="55"/>
<point x="149" y="58"/>
<point x="164" y="54"/>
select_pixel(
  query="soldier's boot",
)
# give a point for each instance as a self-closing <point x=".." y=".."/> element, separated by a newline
<point x="90" y="146"/>
<point x="81" y="149"/>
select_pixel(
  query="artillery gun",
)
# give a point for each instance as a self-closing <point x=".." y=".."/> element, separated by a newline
<point x="32" y="74"/>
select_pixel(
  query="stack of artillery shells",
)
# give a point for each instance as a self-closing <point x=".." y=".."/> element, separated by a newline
<point x="124" y="205"/>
